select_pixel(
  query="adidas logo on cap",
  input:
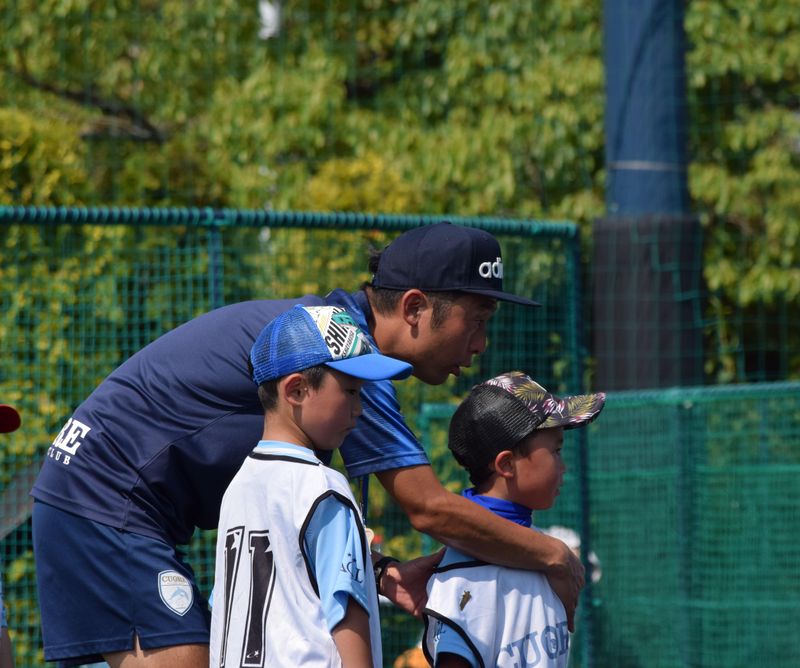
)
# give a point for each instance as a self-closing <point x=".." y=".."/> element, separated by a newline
<point x="491" y="269"/>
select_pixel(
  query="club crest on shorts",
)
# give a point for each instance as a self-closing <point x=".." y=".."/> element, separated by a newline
<point x="176" y="591"/>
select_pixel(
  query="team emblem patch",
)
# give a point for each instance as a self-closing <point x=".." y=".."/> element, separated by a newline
<point x="465" y="598"/>
<point x="176" y="591"/>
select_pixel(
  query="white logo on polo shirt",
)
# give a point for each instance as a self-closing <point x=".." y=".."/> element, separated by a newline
<point x="68" y="441"/>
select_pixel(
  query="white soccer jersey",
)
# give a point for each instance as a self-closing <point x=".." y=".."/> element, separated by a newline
<point x="267" y="610"/>
<point x="507" y="617"/>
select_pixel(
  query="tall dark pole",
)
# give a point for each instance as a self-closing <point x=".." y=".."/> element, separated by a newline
<point x="645" y="108"/>
<point x="648" y="248"/>
<point x="647" y="263"/>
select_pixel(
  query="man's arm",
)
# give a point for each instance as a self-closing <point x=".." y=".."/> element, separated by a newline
<point x="351" y="636"/>
<point x="455" y="521"/>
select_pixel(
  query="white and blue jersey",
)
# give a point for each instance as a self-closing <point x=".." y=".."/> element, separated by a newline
<point x="491" y="615"/>
<point x="154" y="447"/>
<point x="291" y="555"/>
<point x="494" y="616"/>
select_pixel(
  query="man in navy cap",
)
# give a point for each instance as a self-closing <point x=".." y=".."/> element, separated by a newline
<point x="140" y="463"/>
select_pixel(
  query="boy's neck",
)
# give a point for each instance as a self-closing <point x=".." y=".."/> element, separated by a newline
<point x="285" y="431"/>
<point x="495" y="489"/>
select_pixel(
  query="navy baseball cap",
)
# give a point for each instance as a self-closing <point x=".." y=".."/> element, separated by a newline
<point x="306" y="336"/>
<point x="9" y="419"/>
<point x="445" y="257"/>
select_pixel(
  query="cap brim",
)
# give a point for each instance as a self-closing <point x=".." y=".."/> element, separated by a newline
<point x="575" y="411"/>
<point x="9" y="419"/>
<point x="502" y="296"/>
<point x="373" y="366"/>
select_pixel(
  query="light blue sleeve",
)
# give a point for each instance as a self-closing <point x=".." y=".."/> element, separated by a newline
<point x="336" y="555"/>
<point x="448" y="640"/>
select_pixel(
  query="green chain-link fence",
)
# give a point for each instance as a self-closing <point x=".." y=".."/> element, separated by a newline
<point x="83" y="289"/>
<point x="693" y="513"/>
<point x="688" y="497"/>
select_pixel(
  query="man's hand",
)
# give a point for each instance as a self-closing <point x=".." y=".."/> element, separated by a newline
<point x="566" y="577"/>
<point x="405" y="584"/>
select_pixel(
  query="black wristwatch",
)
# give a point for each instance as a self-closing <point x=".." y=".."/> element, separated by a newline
<point x="379" y="567"/>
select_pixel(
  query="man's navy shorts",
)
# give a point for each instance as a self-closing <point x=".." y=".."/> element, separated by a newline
<point x="100" y="586"/>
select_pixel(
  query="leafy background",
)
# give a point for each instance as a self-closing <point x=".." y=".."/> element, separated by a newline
<point x="473" y="108"/>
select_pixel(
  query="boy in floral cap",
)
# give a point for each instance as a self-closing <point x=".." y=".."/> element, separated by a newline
<point x="507" y="434"/>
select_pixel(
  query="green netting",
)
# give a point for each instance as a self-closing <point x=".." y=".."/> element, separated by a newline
<point x="83" y="289"/>
<point x="693" y="511"/>
<point x="692" y="494"/>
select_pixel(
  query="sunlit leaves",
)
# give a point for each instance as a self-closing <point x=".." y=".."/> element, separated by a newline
<point x="40" y="160"/>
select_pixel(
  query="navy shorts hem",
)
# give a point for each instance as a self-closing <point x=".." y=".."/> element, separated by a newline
<point x="172" y="639"/>
<point x="87" y="652"/>
<point x="79" y="654"/>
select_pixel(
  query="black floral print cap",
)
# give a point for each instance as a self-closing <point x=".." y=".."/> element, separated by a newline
<point x="500" y="412"/>
<point x="547" y="408"/>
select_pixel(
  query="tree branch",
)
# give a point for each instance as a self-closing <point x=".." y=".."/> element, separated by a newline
<point x="141" y="127"/>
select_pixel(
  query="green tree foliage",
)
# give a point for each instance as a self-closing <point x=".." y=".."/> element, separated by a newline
<point x="478" y="108"/>
<point x="41" y="160"/>
<point x="744" y="79"/>
<point x="473" y="108"/>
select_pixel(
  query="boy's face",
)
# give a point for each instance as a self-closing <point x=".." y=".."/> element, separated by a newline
<point x="332" y="410"/>
<point x="442" y="350"/>
<point x="538" y="475"/>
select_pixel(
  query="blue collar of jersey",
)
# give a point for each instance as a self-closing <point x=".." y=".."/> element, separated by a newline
<point x="506" y="509"/>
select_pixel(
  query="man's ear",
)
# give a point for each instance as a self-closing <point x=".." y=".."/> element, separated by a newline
<point x="412" y="304"/>
<point x="504" y="464"/>
<point x="294" y="388"/>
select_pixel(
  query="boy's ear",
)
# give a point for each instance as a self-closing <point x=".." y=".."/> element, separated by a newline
<point x="504" y="464"/>
<point x="412" y="304"/>
<point x="294" y="388"/>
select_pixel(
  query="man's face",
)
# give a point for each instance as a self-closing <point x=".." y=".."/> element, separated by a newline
<point x="442" y="350"/>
